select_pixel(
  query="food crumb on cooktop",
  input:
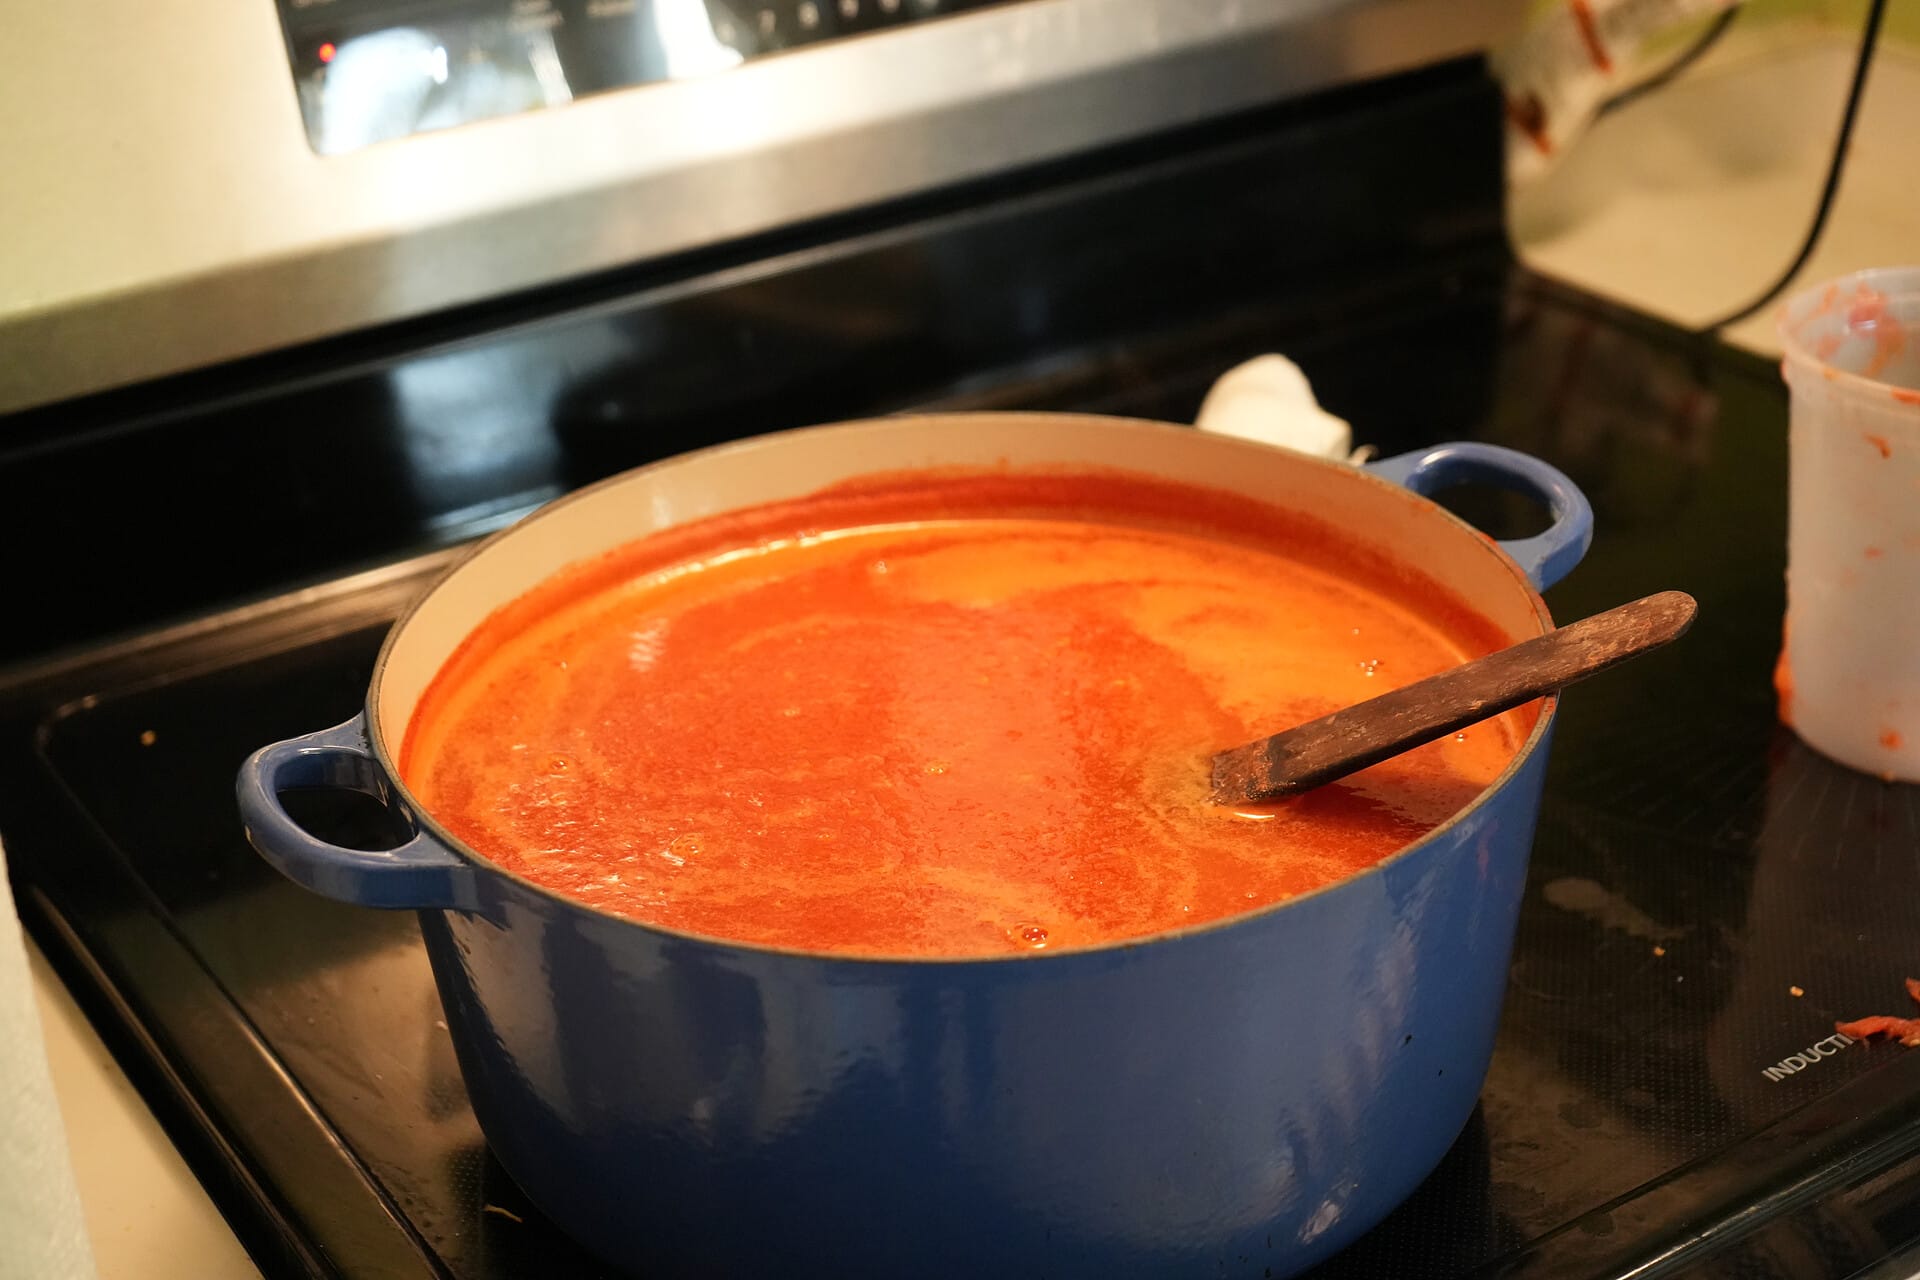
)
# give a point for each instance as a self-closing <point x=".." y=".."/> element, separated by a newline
<point x="1659" y="950"/>
<point x="1796" y="992"/>
<point x="148" y="737"/>
<point x="1905" y="1030"/>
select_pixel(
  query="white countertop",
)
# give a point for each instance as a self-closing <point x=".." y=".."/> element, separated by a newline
<point x="146" y="1213"/>
<point x="1689" y="202"/>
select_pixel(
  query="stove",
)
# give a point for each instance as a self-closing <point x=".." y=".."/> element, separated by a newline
<point x="215" y="559"/>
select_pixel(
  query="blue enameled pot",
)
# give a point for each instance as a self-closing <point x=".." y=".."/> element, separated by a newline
<point x="1238" y="1099"/>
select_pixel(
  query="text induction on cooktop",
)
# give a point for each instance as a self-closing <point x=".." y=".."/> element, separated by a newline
<point x="370" y="71"/>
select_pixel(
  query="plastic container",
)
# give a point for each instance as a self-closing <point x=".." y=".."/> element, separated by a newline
<point x="1849" y="673"/>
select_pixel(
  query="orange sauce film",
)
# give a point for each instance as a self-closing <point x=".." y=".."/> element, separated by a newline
<point x="943" y="715"/>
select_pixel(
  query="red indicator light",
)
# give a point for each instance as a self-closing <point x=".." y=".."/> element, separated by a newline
<point x="326" y="51"/>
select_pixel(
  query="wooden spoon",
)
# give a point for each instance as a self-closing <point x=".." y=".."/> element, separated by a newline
<point x="1349" y="740"/>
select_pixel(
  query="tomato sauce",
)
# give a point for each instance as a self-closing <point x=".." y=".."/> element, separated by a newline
<point x="952" y="715"/>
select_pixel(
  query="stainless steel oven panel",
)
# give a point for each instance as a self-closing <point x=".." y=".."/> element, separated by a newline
<point x="164" y="210"/>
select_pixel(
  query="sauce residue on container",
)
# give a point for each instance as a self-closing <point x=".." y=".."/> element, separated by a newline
<point x="1783" y="674"/>
<point x="1869" y="315"/>
<point x="954" y="716"/>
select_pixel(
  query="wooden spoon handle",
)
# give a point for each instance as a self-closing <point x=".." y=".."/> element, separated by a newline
<point x="1369" y="732"/>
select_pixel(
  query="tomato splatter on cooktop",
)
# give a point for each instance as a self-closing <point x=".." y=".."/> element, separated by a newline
<point x="955" y="716"/>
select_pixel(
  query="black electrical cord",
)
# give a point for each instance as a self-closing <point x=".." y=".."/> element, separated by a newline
<point x="1868" y="38"/>
<point x="1666" y="75"/>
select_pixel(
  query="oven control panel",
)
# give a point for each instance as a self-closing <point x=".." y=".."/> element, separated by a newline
<point x="370" y="71"/>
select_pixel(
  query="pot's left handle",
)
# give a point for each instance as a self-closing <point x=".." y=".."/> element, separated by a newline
<point x="1546" y="557"/>
<point x="420" y="873"/>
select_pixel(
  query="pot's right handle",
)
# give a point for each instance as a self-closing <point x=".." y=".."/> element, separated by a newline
<point x="1546" y="557"/>
<point x="421" y="873"/>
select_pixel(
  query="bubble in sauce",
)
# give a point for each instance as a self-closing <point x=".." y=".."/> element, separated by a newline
<point x="558" y="764"/>
<point x="1031" y="936"/>
<point x="936" y="767"/>
<point x="1369" y="666"/>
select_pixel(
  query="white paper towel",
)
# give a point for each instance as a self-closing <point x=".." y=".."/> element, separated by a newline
<point x="42" y="1233"/>
<point x="1269" y="400"/>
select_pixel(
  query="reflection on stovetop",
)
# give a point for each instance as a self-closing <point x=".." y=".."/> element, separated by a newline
<point x="1706" y="897"/>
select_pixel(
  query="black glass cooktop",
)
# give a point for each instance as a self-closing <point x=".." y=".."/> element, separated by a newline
<point x="1706" y="897"/>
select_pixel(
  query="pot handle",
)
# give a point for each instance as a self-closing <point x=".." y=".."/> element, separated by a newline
<point x="421" y="873"/>
<point x="1546" y="557"/>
